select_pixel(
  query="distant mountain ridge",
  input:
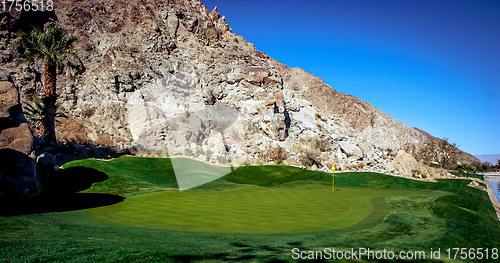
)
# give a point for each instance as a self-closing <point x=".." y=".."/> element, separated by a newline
<point x="491" y="158"/>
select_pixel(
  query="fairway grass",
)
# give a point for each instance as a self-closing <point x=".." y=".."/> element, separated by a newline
<point x="253" y="214"/>
<point x="251" y="209"/>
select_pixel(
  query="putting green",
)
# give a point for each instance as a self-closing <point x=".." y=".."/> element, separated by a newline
<point x="253" y="209"/>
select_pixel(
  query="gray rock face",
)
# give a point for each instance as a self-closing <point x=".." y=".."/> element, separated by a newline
<point x="18" y="176"/>
<point x="9" y="100"/>
<point x="169" y="76"/>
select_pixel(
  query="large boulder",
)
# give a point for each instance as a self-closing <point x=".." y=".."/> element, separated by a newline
<point x="18" y="176"/>
<point x="406" y="164"/>
<point x="351" y="150"/>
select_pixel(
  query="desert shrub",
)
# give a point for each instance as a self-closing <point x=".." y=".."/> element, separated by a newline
<point x="323" y="144"/>
<point x="310" y="159"/>
<point x="410" y="149"/>
<point x="278" y="162"/>
<point x="275" y="154"/>
<point x="390" y="152"/>
<point x="199" y="152"/>
<point x="221" y="159"/>
<point x="188" y="151"/>
<point x="357" y="166"/>
<point x="209" y="153"/>
<point x="246" y="163"/>
<point x="414" y="171"/>
<point x="165" y="153"/>
<point x="87" y="112"/>
<point x="296" y="148"/>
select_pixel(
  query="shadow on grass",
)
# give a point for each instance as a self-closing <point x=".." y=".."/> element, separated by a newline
<point x="225" y="257"/>
<point x="266" y="253"/>
<point x="60" y="193"/>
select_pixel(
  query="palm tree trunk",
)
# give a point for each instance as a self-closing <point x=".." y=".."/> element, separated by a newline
<point x="42" y="129"/>
<point x="50" y="98"/>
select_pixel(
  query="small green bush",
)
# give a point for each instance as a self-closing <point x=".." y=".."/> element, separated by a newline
<point x="199" y="152"/>
<point x="221" y="159"/>
<point x="414" y="171"/>
<point x="188" y="151"/>
<point x="246" y="163"/>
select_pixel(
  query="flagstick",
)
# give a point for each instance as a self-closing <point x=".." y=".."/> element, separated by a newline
<point x="333" y="178"/>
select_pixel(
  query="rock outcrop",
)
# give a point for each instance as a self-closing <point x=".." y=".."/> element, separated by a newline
<point x="18" y="176"/>
<point x="407" y="165"/>
<point x="169" y="77"/>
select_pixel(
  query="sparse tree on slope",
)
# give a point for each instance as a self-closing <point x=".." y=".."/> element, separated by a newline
<point x="470" y="169"/>
<point x="442" y="152"/>
<point x="53" y="47"/>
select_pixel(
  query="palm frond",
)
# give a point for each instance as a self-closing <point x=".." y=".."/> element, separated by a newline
<point x="51" y="44"/>
<point x="35" y="112"/>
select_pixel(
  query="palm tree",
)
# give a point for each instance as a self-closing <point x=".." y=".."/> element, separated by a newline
<point x="51" y="46"/>
<point x="460" y="168"/>
<point x="470" y="168"/>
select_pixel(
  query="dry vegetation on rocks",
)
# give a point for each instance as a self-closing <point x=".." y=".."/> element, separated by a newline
<point x="151" y="69"/>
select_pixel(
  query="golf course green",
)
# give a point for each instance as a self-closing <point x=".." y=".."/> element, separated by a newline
<point x="250" y="214"/>
<point x="251" y="209"/>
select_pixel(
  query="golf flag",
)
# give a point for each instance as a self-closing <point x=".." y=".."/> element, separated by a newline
<point x="333" y="178"/>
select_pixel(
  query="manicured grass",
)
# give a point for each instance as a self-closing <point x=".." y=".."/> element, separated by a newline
<point x="448" y="215"/>
<point x="131" y="175"/>
<point x="251" y="209"/>
<point x="134" y="175"/>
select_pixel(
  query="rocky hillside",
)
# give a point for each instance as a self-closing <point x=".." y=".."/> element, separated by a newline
<point x="463" y="157"/>
<point x="169" y="77"/>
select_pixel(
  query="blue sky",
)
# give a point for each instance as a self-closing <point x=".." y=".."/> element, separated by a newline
<point x="431" y="64"/>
